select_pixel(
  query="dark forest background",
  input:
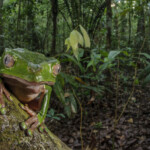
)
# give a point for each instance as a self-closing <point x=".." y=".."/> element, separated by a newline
<point x="100" y="84"/>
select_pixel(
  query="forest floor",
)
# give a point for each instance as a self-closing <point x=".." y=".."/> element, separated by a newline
<point x="131" y="133"/>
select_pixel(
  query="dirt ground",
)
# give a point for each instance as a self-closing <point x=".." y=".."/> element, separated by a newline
<point x="131" y="133"/>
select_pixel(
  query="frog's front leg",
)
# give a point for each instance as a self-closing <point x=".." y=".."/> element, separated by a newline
<point x="37" y="119"/>
<point x="7" y="94"/>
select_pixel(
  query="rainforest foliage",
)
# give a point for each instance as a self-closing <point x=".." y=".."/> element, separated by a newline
<point x="103" y="46"/>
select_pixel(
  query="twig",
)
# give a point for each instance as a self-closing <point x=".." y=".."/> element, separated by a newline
<point x="135" y="75"/>
<point x="80" y="118"/>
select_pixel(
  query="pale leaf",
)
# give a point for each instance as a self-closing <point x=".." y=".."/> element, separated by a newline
<point x="67" y="42"/>
<point x="86" y="37"/>
<point x="74" y="39"/>
<point x="80" y="38"/>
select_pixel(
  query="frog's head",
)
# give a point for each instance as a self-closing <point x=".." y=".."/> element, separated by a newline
<point x="30" y="66"/>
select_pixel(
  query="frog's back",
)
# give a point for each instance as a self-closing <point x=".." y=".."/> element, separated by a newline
<point x="29" y="56"/>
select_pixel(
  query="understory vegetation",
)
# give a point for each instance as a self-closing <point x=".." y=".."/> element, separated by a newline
<point x="102" y="93"/>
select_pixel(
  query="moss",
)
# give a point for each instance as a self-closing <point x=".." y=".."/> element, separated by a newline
<point x="12" y="137"/>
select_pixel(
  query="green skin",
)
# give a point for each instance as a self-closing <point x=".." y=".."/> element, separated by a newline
<point x="34" y="68"/>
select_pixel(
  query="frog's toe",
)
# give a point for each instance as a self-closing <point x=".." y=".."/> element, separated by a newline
<point x="3" y="111"/>
<point x="41" y="129"/>
<point x="29" y="132"/>
<point x="46" y="129"/>
<point x="23" y="125"/>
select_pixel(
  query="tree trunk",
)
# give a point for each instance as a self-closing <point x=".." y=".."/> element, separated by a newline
<point x="129" y="42"/>
<point x="1" y="28"/>
<point x="140" y="27"/>
<point x="18" y="25"/>
<point x="13" y="138"/>
<point x="54" y="33"/>
<point x="109" y="25"/>
<point x="116" y="27"/>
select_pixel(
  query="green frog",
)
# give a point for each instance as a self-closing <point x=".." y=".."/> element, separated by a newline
<point x="29" y="76"/>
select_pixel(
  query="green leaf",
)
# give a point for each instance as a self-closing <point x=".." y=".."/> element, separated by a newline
<point x="90" y="64"/>
<point x="76" y="53"/>
<point x="81" y="52"/>
<point x="145" y="72"/>
<point x="51" y="112"/>
<point x="136" y="81"/>
<point x="146" y="80"/>
<point x="113" y="54"/>
<point x="75" y="62"/>
<point x="86" y="37"/>
<point x="67" y="42"/>
<point x="73" y="104"/>
<point x="69" y="79"/>
<point x="146" y="55"/>
<point x="56" y="118"/>
<point x="59" y="91"/>
<point x="61" y="115"/>
<point x="67" y="110"/>
<point x="98" y="90"/>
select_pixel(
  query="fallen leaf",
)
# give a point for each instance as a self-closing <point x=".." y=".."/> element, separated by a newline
<point x="130" y="120"/>
<point x="91" y="100"/>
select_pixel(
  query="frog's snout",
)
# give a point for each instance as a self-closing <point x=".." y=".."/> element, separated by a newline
<point x="56" y="69"/>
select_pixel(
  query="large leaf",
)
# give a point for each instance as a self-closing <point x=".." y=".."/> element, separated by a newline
<point x="74" y="39"/>
<point x="146" y="55"/>
<point x="80" y="38"/>
<point x="74" y="43"/>
<point x="113" y="54"/>
<point x="86" y="37"/>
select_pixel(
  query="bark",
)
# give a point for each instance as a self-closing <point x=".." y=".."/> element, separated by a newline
<point x="1" y="28"/>
<point x="13" y="138"/>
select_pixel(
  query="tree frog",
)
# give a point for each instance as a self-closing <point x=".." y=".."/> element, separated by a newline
<point x="29" y="76"/>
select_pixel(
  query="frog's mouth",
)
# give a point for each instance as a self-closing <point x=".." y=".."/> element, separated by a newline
<point x="16" y="80"/>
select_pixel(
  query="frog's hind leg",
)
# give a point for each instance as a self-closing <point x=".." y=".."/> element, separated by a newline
<point x="32" y="123"/>
<point x="2" y="103"/>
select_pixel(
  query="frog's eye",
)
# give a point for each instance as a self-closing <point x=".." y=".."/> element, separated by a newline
<point x="8" y="61"/>
<point x="56" y="69"/>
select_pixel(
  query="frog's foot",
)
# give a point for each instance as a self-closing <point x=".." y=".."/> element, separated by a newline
<point x="42" y="128"/>
<point x="31" y="124"/>
<point x="2" y="103"/>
